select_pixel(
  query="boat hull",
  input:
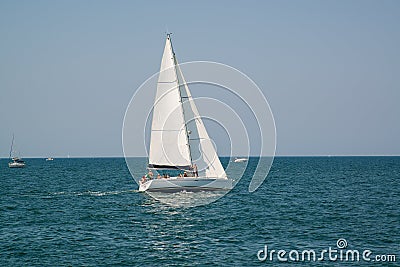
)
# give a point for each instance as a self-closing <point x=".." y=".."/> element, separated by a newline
<point x="189" y="184"/>
<point x="16" y="165"/>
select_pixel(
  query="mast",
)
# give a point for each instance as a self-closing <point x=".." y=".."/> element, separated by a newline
<point x="12" y="143"/>
<point x="180" y="84"/>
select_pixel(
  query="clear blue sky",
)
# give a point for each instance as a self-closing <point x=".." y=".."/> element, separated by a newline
<point x="329" y="69"/>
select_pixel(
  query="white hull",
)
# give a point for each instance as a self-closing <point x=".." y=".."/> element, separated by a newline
<point x="16" y="165"/>
<point x="240" y="160"/>
<point x="192" y="184"/>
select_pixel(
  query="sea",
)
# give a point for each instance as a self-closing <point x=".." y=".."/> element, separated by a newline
<point x="88" y="212"/>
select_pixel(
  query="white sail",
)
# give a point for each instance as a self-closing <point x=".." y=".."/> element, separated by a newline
<point x="168" y="143"/>
<point x="202" y="149"/>
<point x="178" y="135"/>
<point x="179" y="138"/>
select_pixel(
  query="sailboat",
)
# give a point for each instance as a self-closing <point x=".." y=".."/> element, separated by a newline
<point x="181" y="152"/>
<point x="16" y="162"/>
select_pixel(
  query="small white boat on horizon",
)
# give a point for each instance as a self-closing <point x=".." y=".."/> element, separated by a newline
<point x="49" y="159"/>
<point x="181" y="154"/>
<point x="240" y="160"/>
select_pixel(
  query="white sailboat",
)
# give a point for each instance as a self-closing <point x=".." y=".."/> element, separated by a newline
<point x="181" y="152"/>
<point x="16" y="162"/>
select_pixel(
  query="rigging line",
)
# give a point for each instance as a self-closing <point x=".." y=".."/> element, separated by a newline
<point x="167" y="82"/>
<point x="165" y="130"/>
<point x="180" y="96"/>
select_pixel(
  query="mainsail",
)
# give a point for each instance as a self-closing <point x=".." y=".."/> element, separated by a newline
<point x="179" y="138"/>
<point x="168" y="142"/>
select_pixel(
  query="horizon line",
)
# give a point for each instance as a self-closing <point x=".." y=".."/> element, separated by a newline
<point x="237" y="156"/>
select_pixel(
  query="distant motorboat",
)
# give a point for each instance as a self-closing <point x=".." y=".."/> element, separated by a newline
<point x="240" y="160"/>
<point x="49" y="159"/>
<point x="16" y="162"/>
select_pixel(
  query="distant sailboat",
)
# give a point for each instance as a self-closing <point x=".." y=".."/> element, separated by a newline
<point x="49" y="159"/>
<point x="16" y="162"/>
<point x="181" y="152"/>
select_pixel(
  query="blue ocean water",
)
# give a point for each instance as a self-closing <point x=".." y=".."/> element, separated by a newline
<point x="87" y="212"/>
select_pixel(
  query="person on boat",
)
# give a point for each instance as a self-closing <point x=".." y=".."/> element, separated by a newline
<point x="158" y="176"/>
<point x="180" y="175"/>
<point x="195" y="171"/>
<point x="143" y="180"/>
<point x="149" y="175"/>
<point x="185" y="174"/>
